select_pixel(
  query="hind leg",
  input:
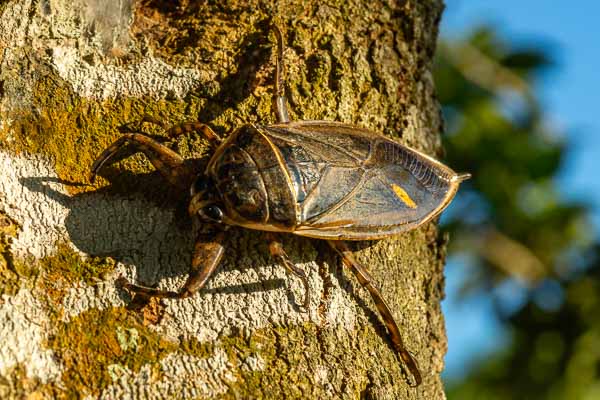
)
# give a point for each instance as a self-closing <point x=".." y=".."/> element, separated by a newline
<point x="366" y="281"/>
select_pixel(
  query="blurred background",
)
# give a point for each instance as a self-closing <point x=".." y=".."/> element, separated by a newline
<point x="519" y="84"/>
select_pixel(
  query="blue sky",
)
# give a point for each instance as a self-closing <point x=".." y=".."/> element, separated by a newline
<point x="570" y="92"/>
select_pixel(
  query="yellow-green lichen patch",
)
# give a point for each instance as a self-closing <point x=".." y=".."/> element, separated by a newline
<point x="67" y="265"/>
<point x="16" y="385"/>
<point x="9" y="277"/>
<point x="302" y="361"/>
<point x="73" y="131"/>
<point x="184" y="34"/>
<point x="253" y="358"/>
<point x="195" y="348"/>
<point x="65" y="268"/>
<point x="53" y="275"/>
<point x="96" y="344"/>
<point x="97" y="348"/>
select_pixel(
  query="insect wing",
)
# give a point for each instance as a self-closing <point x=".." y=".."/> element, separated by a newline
<point x="352" y="183"/>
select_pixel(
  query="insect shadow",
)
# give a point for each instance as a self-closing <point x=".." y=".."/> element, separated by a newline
<point x="109" y="222"/>
<point x="233" y="89"/>
<point x="134" y="231"/>
<point x="154" y="234"/>
<point x="331" y="261"/>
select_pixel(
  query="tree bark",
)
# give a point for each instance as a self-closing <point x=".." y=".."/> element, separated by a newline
<point x="72" y="73"/>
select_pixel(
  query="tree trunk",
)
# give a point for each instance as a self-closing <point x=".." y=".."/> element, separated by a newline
<point x="72" y="73"/>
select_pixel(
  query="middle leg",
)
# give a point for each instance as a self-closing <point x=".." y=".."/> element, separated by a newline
<point x="277" y="251"/>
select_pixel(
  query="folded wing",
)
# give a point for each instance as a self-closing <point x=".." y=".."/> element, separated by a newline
<point x="352" y="183"/>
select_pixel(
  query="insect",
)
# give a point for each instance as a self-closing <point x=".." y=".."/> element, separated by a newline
<point x="320" y="179"/>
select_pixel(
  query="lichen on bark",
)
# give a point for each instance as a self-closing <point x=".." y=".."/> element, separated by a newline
<point x="70" y="79"/>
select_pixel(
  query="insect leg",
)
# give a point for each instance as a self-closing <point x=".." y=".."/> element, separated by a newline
<point x="195" y="126"/>
<point x="166" y="161"/>
<point x="365" y="280"/>
<point x="279" y="97"/>
<point x="185" y="127"/>
<point x="277" y="251"/>
<point x="207" y="256"/>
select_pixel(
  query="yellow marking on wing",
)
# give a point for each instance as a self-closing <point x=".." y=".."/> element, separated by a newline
<point x="402" y="195"/>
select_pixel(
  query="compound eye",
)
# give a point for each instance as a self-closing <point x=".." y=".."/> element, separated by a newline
<point x="212" y="213"/>
<point x="199" y="185"/>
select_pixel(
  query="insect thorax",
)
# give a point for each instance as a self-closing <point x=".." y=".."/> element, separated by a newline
<point x="251" y="181"/>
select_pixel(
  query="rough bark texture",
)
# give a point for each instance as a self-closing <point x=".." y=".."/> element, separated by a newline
<point x="72" y="72"/>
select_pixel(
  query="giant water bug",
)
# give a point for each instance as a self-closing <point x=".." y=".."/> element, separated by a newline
<point x="320" y="179"/>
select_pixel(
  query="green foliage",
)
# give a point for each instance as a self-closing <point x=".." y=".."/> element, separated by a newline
<point x="514" y="221"/>
<point x="497" y="132"/>
<point x="554" y="353"/>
